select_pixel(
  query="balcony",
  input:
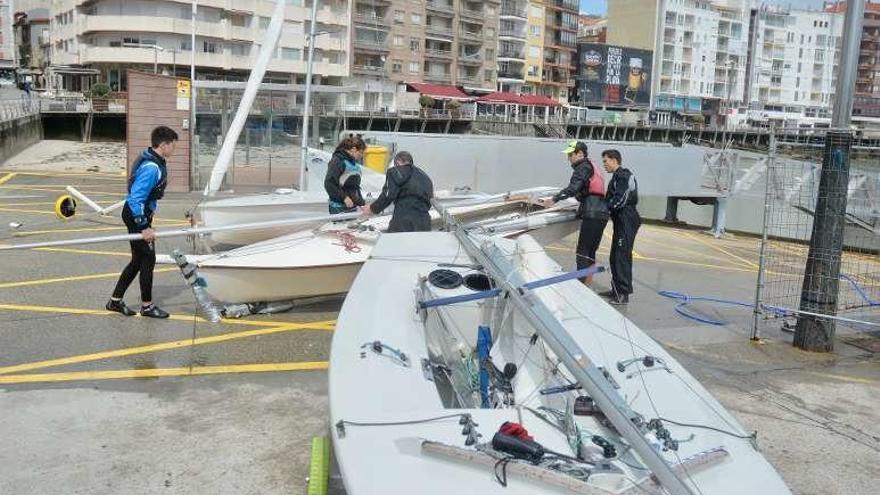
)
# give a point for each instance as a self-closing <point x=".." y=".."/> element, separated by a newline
<point x="470" y="60"/>
<point x="438" y="54"/>
<point x="512" y="75"/>
<point x="469" y="79"/>
<point x="441" y="77"/>
<point x="569" y="5"/>
<point x="444" y="31"/>
<point x="371" y="45"/>
<point x="467" y="13"/>
<point x="512" y="33"/>
<point x="471" y="35"/>
<point x="368" y="69"/>
<point x="511" y="54"/>
<point x="371" y="19"/>
<point x="440" y="7"/>
<point x="515" y="11"/>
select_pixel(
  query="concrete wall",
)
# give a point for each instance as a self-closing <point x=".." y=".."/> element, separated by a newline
<point x="18" y="134"/>
<point x="495" y="164"/>
<point x="152" y="101"/>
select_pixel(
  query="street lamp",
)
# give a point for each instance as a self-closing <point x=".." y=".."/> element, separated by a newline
<point x="156" y="49"/>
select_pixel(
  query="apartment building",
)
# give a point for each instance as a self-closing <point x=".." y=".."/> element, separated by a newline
<point x="793" y="59"/>
<point x="447" y="42"/>
<point x="700" y="50"/>
<point x="7" y="39"/>
<point x="867" y="97"/>
<point x="537" y="47"/>
<point x="111" y="36"/>
<point x="32" y="42"/>
<point x="592" y="29"/>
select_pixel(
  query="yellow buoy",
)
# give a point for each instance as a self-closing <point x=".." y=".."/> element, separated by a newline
<point x="65" y="207"/>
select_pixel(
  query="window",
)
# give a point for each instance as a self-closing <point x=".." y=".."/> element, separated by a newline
<point x="209" y="47"/>
<point x="398" y="16"/>
<point x="416" y="18"/>
<point x="185" y="45"/>
<point x="533" y="71"/>
<point x="534" y="51"/>
<point x="490" y="10"/>
<point x="117" y="44"/>
<point x="397" y="66"/>
<point x="239" y="20"/>
<point x="264" y="22"/>
<point x="535" y="31"/>
<point x="537" y="12"/>
<point x="488" y="74"/>
<point x="490" y="54"/>
<point x="414" y="44"/>
<point x="490" y="32"/>
<point x="291" y="54"/>
<point x="398" y="40"/>
<point x="414" y="67"/>
<point x="131" y="41"/>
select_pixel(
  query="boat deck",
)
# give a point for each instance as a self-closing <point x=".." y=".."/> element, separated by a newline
<point x="97" y="403"/>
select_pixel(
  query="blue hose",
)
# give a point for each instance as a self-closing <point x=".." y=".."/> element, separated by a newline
<point x="685" y="299"/>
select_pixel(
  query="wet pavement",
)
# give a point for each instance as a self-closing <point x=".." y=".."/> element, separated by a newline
<point x="98" y="403"/>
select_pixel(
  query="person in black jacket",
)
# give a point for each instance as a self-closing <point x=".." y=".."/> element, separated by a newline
<point x="343" y="179"/>
<point x="411" y="190"/>
<point x="621" y="198"/>
<point x="592" y="211"/>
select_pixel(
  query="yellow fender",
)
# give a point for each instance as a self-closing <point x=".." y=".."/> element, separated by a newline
<point x="65" y="207"/>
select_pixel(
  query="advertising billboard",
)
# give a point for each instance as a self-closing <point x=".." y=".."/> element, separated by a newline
<point x="613" y="76"/>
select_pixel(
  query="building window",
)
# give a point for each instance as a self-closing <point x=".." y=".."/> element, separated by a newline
<point x="488" y="74"/>
<point x="490" y="10"/>
<point x="414" y="67"/>
<point x="537" y="12"/>
<point x="490" y="32"/>
<point x="264" y="22"/>
<point x="240" y="20"/>
<point x="397" y="67"/>
<point x="535" y="31"/>
<point x="414" y="44"/>
<point x="534" y="51"/>
<point x="416" y="18"/>
<point x="398" y="40"/>
<point x="209" y="47"/>
<point x="291" y="54"/>
<point x="490" y="54"/>
<point x="398" y="16"/>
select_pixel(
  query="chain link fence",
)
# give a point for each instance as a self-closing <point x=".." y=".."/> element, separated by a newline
<point x="795" y="279"/>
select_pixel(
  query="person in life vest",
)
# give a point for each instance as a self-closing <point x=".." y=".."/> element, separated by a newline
<point x="343" y="179"/>
<point x="587" y="185"/>
<point x="621" y="198"/>
<point x="146" y="186"/>
<point x="411" y="190"/>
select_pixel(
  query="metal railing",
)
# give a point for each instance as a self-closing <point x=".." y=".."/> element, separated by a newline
<point x="15" y="109"/>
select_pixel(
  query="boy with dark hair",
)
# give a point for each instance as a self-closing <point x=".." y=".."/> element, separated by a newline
<point x="410" y="190"/>
<point x="146" y="186"/>
<point x="622" y="197"/>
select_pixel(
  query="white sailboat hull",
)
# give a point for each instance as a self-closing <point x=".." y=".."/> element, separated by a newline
<point x="381" y="410"/>
<point x="273" y="284"/>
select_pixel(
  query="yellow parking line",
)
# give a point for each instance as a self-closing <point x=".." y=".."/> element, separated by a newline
<point x="721" y="249"/>
<point x="6" y="178"/>
<point x="22" y="210"/>
<point x="44" y="281"/>
<point x="56" y="231"/>
<point x="61" y="189"/>
<point x="165" y="346"/>
<point x="155" y="373"/>
<point x="91" y="175"/>
<point x="84" y="251"/>
<point x="102" y="312"/>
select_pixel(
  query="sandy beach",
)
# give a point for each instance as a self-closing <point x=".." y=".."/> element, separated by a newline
<point x="70" y="156"/>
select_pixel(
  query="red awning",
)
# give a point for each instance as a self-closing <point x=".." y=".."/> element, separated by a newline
<point x="439" y="91"/>
<point x="515" y="99"/>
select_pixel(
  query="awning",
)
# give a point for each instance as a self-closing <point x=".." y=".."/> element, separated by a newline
<point x="439" y="91"/>
<point x="515" y="99"/>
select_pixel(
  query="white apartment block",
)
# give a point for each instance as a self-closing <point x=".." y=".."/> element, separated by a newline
<point x="7" y="38"/>
<point x="112" y="36"/>
<point x="793" y="66"/>
<point x="701" y="54"/>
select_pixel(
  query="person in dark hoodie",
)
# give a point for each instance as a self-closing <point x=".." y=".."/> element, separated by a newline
<point x="146" y="186"/>
<point x="411" y="190"/>
<point x="588" y="187"/>
<point x="343" y="179"/>
<point x="622" y="198"/>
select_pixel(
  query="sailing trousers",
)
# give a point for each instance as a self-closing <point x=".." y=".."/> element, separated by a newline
<point x="626" y="224"/>
<point x="143" y="260"/>
<point x="588" y="241"/>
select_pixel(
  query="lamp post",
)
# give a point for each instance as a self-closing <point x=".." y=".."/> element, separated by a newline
<point x="303" y="168"/>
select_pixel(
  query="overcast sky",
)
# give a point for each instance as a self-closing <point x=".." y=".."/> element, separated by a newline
<point x="598" y="6"/>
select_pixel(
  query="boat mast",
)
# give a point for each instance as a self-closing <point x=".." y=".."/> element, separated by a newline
<point x="630" y="424"/>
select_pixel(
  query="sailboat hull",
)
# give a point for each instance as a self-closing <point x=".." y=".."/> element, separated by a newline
<point x="233" y="284"/>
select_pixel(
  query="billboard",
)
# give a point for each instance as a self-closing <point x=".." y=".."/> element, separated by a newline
<point x="613" y="75"/>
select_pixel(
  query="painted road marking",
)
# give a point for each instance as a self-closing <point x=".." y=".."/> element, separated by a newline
<point x="103" y="312"/>
<point x="44" y="281"/>
<point x="6" y="178"/>
<point x="721" y="249"/>
<point x="168" y="372"/>
<point x="84" y="251"/>
<point x="328" y="325"/>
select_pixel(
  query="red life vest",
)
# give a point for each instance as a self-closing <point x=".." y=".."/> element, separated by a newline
<point x="596" y="184"/>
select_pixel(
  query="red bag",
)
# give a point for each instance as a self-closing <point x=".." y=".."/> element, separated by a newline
<point x="514" y="429"/>
<point x="596" y="184"/>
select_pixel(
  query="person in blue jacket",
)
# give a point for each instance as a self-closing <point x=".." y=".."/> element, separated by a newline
<point x="146" y="186"/>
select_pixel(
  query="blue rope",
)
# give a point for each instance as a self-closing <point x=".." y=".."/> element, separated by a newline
<point x="860" y="290"/>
